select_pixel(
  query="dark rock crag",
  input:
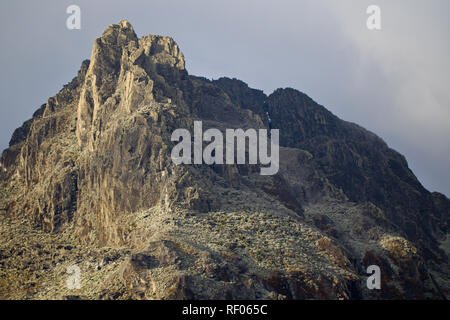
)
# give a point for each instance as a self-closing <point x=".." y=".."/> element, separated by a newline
<point x="95" y="160"/>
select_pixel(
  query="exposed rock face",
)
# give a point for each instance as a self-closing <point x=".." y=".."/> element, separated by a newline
<point x="93" y="164"/>
<point x="358" y="162"/>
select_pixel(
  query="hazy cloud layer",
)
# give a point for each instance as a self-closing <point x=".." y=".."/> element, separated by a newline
<point x="394" y="82"/>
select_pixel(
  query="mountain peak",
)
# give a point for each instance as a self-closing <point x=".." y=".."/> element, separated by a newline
<point x="119" y="34"/>
<point x="125" y="24"/>
<point x="129" y="69"/>
<point x="96" y="163"/>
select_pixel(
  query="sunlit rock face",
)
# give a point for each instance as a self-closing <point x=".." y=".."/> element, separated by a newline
<point x="93" y="169"/>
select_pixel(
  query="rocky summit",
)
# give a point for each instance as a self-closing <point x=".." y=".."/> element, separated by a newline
<point x="88" y="184"/>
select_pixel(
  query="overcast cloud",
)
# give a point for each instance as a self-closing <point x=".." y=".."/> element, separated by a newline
<point x="394" y="82"/>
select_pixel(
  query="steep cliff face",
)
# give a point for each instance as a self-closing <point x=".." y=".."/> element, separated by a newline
<point x="359" y="163"/>
<point x="93" y="166"/>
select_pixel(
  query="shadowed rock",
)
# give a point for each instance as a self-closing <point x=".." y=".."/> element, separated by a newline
<point x="95" y="160"/>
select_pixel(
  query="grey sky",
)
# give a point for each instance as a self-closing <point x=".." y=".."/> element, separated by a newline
<point x="394" y="82"/>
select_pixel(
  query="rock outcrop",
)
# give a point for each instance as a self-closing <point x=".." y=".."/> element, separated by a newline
<point x="93" y="168"/>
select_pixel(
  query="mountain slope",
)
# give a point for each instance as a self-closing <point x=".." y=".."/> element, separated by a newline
<point x="92" y="169"/>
